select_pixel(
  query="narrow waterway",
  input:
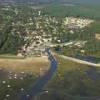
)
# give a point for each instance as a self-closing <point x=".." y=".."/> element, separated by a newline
<point x="38" y="86"/>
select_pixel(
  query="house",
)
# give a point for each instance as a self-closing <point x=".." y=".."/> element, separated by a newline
<point x="97" y="36"/>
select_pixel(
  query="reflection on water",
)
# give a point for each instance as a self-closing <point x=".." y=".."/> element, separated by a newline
<point x="93" y="73"/>
<point x="5" y="74"/>
<point x="88" y="58"/>
<point x="12" y="83"/>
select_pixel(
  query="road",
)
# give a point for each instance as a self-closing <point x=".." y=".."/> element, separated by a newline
<point x="61" y="44"/>
<point x="38" y="86"/>
<point x="79" y="61"/>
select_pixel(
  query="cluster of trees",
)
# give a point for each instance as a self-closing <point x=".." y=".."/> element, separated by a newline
<point x="54" y="26"/>
<point x="10" y="43"/>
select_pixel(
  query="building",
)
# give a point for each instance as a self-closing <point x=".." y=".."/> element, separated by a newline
<point x="97" y="36"/>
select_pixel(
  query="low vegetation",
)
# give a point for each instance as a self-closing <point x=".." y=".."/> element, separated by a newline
<point x="73" y="82"/>
<point x="18" y="75"/>
<point x="27" y="65"/>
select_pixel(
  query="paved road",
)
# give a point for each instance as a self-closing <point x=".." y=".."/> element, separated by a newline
<point x="79" y="61"/>
<point x="38" y="86"/>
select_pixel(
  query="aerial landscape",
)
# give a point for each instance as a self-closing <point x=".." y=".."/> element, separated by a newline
<point x="49" y="49"/>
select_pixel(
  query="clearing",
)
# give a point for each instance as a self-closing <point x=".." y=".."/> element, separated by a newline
<point x="33" y="64"/>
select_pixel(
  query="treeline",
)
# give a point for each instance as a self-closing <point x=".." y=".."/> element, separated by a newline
<point x="74" y="10"/>
<point x="10" y="43"/>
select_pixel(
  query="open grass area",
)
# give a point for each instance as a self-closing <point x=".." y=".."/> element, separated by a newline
<point x="10" y="56"/>
<point x="27" y="65"/>
<point x="18" y="75"/>
<point x="73" y="81"/>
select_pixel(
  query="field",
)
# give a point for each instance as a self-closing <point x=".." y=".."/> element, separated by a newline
<point x="73" y="81"/>
<point x="28" y="64"/>
<point x="17" y="75"/>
